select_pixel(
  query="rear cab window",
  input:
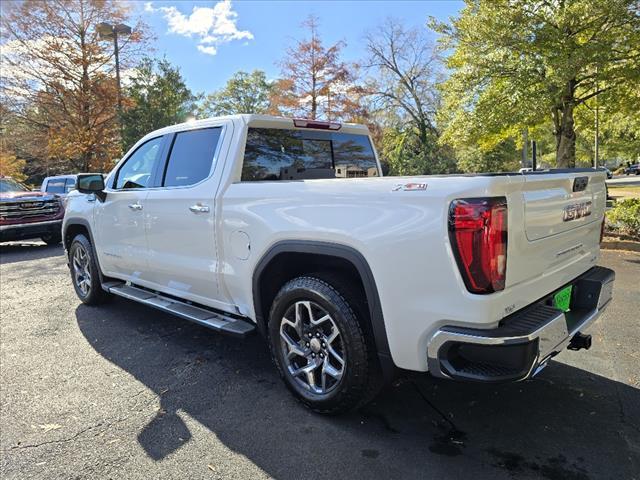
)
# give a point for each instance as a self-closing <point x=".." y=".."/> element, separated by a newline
<point x="284" y="154"/>
<point x="191" y="157"/>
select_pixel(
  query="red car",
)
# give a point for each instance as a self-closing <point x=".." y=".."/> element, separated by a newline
<point x="26" y="214"/>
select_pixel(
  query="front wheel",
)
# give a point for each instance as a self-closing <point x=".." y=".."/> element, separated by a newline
<point x="52" y="238"/>
<point x="84" y="272"/>
<point x="319" y="346"/>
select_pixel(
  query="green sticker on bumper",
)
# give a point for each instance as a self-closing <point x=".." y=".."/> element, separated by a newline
<point x="562" y="299"/>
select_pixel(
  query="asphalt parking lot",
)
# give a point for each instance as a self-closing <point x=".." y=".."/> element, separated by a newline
<point x="123" y="391"/>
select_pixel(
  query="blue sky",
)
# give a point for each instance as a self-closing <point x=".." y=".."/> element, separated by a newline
<point x="210" y="40"/>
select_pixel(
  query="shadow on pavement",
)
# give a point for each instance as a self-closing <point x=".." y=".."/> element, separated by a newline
<point x="29" y="250"/>
<point x="565" y="424"/>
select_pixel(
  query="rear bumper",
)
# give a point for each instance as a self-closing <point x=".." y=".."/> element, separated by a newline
<point x="23" y="231"/>
<point x="524" y="342"/>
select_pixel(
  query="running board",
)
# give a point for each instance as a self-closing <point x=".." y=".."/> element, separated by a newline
<point x="211" y="319"/>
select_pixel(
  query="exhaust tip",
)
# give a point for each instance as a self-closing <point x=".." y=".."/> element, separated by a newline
<point x="580" y="341"/>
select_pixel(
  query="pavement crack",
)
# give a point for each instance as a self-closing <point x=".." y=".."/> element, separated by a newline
<point x="61" y="440"/>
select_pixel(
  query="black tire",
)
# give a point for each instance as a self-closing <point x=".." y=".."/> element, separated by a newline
<point x="358" y="375"/>
<point x="94" y="294"/>
<point x="52" y="238"/>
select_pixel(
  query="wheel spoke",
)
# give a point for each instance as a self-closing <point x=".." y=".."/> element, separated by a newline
<point x="334" y="334"/>
<point x="330" y="370"/>
<point x="292" y="345"/>
<point x="297" y="325"/>
<point x="335" y="355"/>
<point x="299" y="316"/>
<point x="322" y="319"/>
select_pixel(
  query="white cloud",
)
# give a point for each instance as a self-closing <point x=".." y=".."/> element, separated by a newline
<point x="211" y="26"/>
<point x="209" y="50"/>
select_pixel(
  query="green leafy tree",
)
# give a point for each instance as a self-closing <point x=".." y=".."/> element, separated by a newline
<point x="618" y="130"/>
<point x="243" y="93"/>
<point x="156" y="97"/>
<point x="519" y="63"/>
<point x="504" y="157"/>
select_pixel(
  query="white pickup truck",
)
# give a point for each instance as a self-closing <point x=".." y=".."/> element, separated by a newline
<point x="287" y="227"/>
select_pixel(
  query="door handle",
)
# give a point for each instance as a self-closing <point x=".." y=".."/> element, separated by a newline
<point x="199" y="208"/>
<point x="135" y="206"/>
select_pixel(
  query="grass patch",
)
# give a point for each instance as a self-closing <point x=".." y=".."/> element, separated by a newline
<point x="624" y="191"/>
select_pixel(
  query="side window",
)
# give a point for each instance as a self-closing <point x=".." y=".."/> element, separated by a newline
<point x="55" y="185"/>
<point x="70" y="185"/>
<point x="191" y="157"/>
<point x="280" y="154"/>
<point x="136" y="171"/>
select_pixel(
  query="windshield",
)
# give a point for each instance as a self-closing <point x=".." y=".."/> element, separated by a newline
<point x="8" y="185"/>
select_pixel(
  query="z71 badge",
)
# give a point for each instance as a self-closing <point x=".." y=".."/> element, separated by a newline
<point x="576" y="211"/>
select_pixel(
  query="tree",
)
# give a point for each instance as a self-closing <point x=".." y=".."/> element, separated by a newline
<point x="315" y="83"/>
<point x="520" y="63"/>
<point x="58" y="77"/>
<point x="243" y="93"/>
<point x="405" y="70"/>
<point x="11" y="166"/>
<point x="158" y="96"/>
<point x="503" y="158"/>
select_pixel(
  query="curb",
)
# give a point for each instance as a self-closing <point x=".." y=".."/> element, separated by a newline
<point x="616" y="244"/>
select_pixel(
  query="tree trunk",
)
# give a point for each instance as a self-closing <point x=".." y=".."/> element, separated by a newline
<point x="565" y="131"/>
<point x="566" y="140"/>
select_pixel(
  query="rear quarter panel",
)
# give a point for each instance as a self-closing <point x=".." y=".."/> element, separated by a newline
<point x="403" y="235"/>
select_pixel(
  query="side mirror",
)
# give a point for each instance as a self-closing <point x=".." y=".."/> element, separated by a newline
<point x="91" y="183"/>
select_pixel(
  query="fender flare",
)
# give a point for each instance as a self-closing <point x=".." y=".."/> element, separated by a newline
<point x="75" y="221"/>
<point x="361" y="265"/>
<point x="85" y="223"/>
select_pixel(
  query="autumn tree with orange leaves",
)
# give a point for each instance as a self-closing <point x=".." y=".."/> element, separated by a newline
<point x="315" y="83"/>
<point x="58" y="79"/>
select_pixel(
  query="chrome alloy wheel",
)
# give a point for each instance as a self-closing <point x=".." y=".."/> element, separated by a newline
<point x="312" y="347"/>
<point x="81" y="270"/>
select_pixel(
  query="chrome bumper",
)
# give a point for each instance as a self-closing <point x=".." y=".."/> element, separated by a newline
<point x="525" y="341"/>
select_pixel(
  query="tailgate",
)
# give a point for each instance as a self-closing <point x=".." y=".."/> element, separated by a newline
<point x="555" y="222"/>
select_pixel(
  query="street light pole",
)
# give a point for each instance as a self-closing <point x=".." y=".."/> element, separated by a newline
<point x="115" y="46"/>
<point x="109" y="31"/>
<point x="596" y="153"/>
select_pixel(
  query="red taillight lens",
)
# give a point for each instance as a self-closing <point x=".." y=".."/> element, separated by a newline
<point x="304" y="123"/>
<point x="478" y="234"/>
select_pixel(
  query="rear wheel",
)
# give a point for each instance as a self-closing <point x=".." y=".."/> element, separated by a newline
<point x="84" y="272"/>
<point x="319" y="346"/>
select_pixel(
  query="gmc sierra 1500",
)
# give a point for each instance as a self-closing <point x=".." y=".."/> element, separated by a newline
<point x="287" y="227"/>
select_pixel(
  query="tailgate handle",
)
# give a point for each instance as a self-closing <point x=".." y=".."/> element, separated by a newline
<point x="580" y="184"/>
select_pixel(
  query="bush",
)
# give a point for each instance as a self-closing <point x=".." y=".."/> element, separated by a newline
<point x="624" y="217"/>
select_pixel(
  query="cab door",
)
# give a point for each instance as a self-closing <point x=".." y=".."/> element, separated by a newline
<point x="181" y="226"/>
<point x="120" y="236"/>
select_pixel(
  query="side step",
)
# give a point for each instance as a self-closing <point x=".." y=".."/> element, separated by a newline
<point x="217" y="321"/>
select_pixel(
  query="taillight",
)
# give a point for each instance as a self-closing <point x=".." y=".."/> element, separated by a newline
<point x="478" y="235"/>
